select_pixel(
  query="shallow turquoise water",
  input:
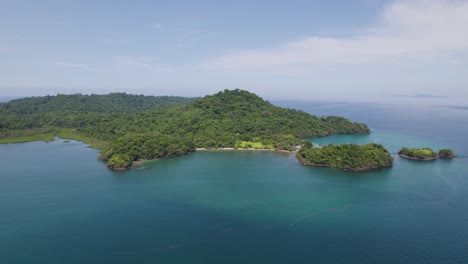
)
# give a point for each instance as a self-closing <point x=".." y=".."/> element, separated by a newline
<point x="58" y="204"/>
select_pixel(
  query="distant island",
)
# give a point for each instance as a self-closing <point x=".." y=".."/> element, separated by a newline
<point x="127" y="128"/>
<point x="346" y="156"/>
<point x="425" y="154"/>
<point x="420" y="96"/>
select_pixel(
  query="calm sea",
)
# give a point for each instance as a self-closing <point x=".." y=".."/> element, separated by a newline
<point x="59" y="204"/>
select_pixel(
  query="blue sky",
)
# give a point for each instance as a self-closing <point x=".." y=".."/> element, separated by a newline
<point x="278" y="49"/>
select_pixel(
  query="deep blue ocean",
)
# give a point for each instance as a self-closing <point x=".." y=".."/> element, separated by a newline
<point x="59" y="204"/>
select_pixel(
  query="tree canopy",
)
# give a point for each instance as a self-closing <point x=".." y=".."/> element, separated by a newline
<point x="346" y="156"/>
<point x="94" y="103"/>
<point x="415" y="153"/>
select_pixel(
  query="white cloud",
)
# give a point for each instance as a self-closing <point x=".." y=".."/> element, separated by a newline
<point x="411" y="29"/>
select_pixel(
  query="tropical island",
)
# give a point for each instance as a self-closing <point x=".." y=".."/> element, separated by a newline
<point x="351" y="157"/>
<point x="425" y="154"/>
<point x="127" y="128"/>
<point x="446" y="154"/>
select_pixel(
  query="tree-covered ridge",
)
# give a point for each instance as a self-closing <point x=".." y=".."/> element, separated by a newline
<point x="226" y="119"/>
<point x="346" y="156"/>
<point x="243" y="112"/>
<point x="94" y="103"/>
<point x="425" y="154"/>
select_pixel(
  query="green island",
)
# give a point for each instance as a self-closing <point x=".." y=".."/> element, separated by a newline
<point x="446" y="154"/>
<point x="425" y="154"/>
<point x="351" y="157"/>
<point x="128" y="128"/>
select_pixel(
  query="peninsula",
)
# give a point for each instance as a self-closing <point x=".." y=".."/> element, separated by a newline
<point x="127" y="128"/>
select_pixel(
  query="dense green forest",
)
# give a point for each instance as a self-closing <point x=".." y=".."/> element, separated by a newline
<point x="347" y="156"/>
<point x="146" y="129"/>
<point x="95" y="103"/>
<point x="425" y="153"/>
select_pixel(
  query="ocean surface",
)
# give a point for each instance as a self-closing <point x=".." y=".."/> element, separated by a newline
<point x="59" y="204"/>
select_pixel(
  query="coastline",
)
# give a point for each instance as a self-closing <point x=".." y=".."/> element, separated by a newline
<point x="346" y="169"/>
<point x="418" y="159"/>
<point x="365" y="169"/>
<point x="137" y="163"/>
<point x="247" y="149"/>
<point x="60" y="133"/>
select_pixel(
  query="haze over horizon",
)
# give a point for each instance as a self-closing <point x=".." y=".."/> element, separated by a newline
<point x="296" y="50"/>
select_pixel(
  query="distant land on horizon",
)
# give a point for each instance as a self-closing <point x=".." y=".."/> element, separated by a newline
<point x="421" y="96"/>
<point x="8" y="98"/>
<point x="459" y="107"/>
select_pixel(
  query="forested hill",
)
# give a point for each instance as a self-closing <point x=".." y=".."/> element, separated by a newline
<point x="232" y="118"/>
<point x="78" y="103"/>
<point x="244" y="113"/>
<point x="346" y="156"/>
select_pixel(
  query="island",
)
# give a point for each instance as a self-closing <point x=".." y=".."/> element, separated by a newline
<point x="446" y="154"/>
<point x="425" y="154"/>
<point x="351" y="157"/>
<point x="128" y="128"/>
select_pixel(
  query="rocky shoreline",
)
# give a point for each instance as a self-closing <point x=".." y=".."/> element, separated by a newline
<point x="426" y="159"/>
<point x="139" y="162"/>
<point x="363" y="169"/>
<point x="418" y="159"/>
<point x="247" y="149"/>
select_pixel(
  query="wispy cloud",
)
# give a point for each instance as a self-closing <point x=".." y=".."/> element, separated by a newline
<point x="118" y="64"/>
<point x="159" y="27"/>
<point x="192" y="36"/>
<point x="184" y="36"/>
<point x="71" y="65"/>
<point x="142" y="62"/>
<point x="405" y="29"/>
<point x="119" y="41"/>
